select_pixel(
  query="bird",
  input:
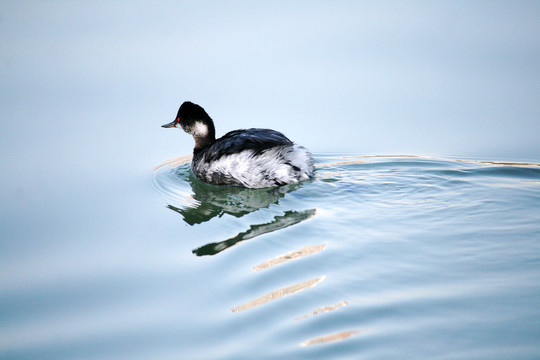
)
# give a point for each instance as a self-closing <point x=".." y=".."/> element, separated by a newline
<point x="252" y="158"/>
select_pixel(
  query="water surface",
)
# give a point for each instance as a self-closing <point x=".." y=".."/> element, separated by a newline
<point x="378" y="257"/>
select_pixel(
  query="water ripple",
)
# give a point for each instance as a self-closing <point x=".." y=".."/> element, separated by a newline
<point x="406" y="240"/>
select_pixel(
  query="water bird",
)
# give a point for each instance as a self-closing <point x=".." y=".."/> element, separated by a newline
<point x="252" y="158"/>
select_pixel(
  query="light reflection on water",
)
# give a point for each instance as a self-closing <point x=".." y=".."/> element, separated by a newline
<point x="276" y="294"/>
<point x="305" y="251"/>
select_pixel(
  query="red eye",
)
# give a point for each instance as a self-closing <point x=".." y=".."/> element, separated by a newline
<point x="178" y="119"/>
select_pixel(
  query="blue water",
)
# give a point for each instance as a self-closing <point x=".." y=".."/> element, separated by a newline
<point x="106" y="254"/>
<point x="379" y="257"/>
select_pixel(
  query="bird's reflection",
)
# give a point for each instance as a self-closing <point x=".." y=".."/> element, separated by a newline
<point x="290" y="218"/>
<point x="211" y="201"/>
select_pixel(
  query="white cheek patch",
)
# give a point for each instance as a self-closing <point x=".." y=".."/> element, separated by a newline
<point x="199" y="129"/>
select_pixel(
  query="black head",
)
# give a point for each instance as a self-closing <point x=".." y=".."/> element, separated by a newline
<point x="195" y="121"/>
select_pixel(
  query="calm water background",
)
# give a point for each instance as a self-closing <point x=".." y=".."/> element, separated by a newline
<point x="106" y="255"/>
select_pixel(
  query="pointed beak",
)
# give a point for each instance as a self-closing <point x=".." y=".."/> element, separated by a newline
<point x="169" y="125"/>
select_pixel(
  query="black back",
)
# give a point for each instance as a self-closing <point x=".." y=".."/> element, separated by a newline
<point x="238" y="140"/>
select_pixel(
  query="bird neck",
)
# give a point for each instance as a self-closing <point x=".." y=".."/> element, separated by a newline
<point x="202" y="142"/>
<point x="203" y="133"/>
